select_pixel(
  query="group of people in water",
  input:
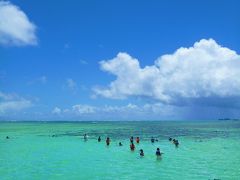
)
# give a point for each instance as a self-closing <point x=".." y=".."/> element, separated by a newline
<point x="132" y="146"/>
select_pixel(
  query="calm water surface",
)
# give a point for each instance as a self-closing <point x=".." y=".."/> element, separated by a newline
<point x="56" y="150"/>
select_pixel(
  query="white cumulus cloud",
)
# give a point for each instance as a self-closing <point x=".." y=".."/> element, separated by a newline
<point x="83" y="109"/>
<point x="12" y="103"/>
<point x="56" y="110"/>
<point x="15" y="27"/>
<point x="129" y="111"/>
<point x="204" y="70"/>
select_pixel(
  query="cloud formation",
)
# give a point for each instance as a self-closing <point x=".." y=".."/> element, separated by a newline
<point x="15" y="27"/>
<point x="56" y="110"/>
<point x="205" y="70"/>
<point x="83" y="109"/>
<point x="129" y="111"/>
<point x="12" y="103"/>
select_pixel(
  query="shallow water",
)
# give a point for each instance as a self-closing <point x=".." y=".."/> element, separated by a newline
<point x="56" y="150"/>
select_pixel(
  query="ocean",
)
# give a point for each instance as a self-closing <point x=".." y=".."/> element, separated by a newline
<point x="208" y="150"/>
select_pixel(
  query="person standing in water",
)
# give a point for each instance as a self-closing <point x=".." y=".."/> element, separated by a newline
<point x="137" y="140"/>
<point x="99" y="139"/>
<point x="152" y="140"/>
<point x="131" y="139"/>
<point x="132" y="147"/>
<point x="108" y="141"/>
<point x="158" y="153"/>
<point x="176" y="142"/>
<point x="141" y="153"/>
<point x="85" y="137"/>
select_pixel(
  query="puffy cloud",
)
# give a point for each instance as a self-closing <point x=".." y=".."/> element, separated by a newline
<point x="121" y="109"/>
<point x="15" y="27"/>
<point x="202" y="71"/>
<point x="12" y="103"/>
<point x="107" y="112"/>
<point x="56" y="110"/>
<point x="83" y="109"/>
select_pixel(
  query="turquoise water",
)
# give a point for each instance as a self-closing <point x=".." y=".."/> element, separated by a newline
<point x="56" y="150"/>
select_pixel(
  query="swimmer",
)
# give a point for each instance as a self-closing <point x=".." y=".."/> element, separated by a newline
<point x="141" y="153"/>
<point x="137" y="140"/>
<point x="120" y="144"/>
<point x="152" y="140"/>
<point x="85" y="137"/>
<point x="99" y="139"/>
<point x="176" y="143"/>
<point x="158" y="153"/>
<point x="7" y="137"/>
<point x="108" y="141"/>
<point x="132" y="147"/>
<point x="131" y="139"/>
<point x="170" y="139"/>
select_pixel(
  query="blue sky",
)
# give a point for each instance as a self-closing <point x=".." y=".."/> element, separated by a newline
<point x="119" y="60"/>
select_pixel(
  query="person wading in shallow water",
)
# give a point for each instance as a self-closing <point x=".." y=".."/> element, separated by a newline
<point x="85" y="137"/>
<point x="131" y="139"/>
<point x="132" y="147"/>
<point x="137" y="140"/>
<point x="158" y="153"/>
<point x="152" y="140"/>
<point x="175" y="141"/>
<point x="141" y="153"/>
<point x="99" y="139"/>
<point x="108" y="141"/>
